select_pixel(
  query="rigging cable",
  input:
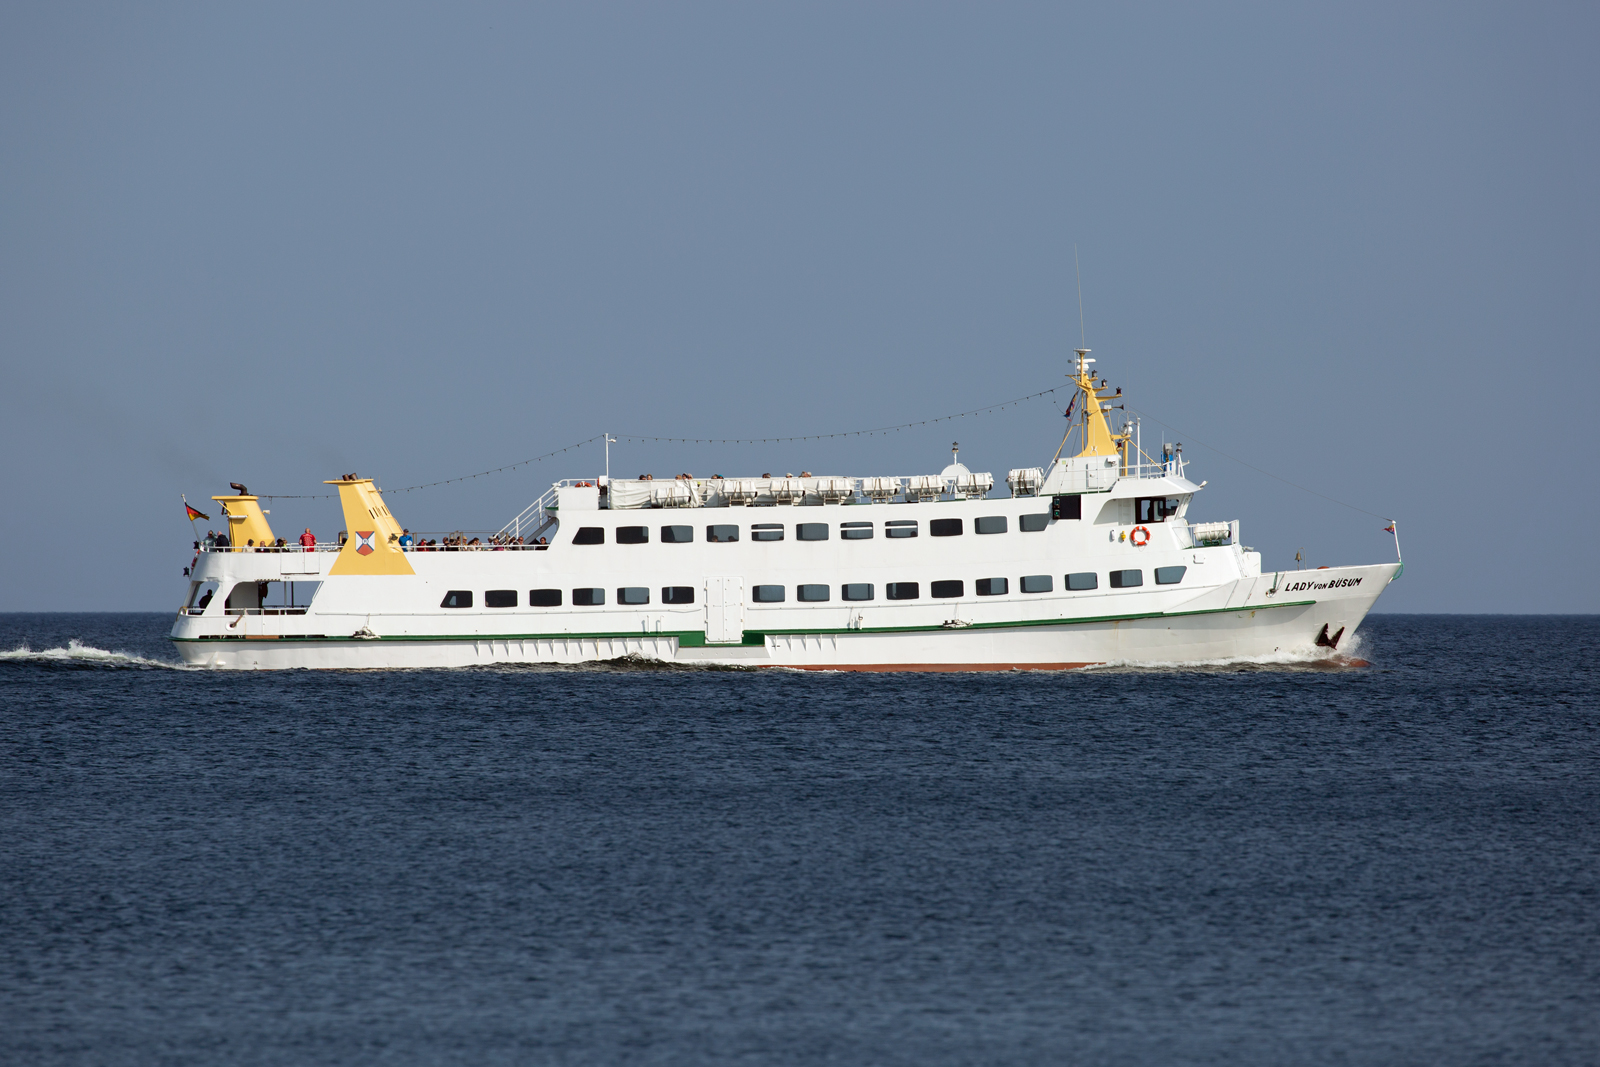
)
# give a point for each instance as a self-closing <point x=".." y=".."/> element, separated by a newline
<point x="1258" y="470"/>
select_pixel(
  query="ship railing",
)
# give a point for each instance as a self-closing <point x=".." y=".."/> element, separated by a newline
<point x="1172" y="469"/>
<point x="535" y="517"/>
<point x="298" y="610"/>
<point x="322" y="546"/>
<point x="1207" y="534"/>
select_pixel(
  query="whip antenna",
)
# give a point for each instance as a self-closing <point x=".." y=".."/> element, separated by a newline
<point x="1083" y="338"/>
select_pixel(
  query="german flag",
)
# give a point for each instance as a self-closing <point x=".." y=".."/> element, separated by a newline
<point x="195" y="513"/>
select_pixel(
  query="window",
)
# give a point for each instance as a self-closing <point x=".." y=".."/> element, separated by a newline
<point x="1037" y="583"/>
<point x="992" y="586"/>
<point x="945" y="528"/>
<point x="677" y="535"/>
<point x="1033" y="523"/>
<point x="856" y="591"/>
<point x="855" y="531"/>
<point x="1169" y="575"/>
<point x="500" y="598"/>
<point x="903" y="590"/>
<point x="991" y="524"/>
<point x="767" y="531"/>
<point x="588" y="598"/>
<point x="590" y="535"/>
<point x="457" y="598"/>
<point x="1153" y="508"/>
<point x="767" y="594"/>
<point x="946" y="590"/>
<point x="633" y="594"/>
<point x="811" y="594"/>
<point x="1066" y="507"/>
<point x="200" y="596"/>
<point x="811" y="531"/>
<point x="633" y="535"/>
<point x="722" y="533"/>
<point x="1083" y="580"/>
<point x="900" y="528"/>
<point x="1127" y="579"/>
<point x="677" y="594"/>
<point x="544" y="598"/>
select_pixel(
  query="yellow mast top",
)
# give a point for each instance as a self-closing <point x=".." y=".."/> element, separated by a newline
<point x="1098" y="440"/>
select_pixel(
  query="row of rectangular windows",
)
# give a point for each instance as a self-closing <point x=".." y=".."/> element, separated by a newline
<point x="811" y="594"/>
<point x="811" y="531"/>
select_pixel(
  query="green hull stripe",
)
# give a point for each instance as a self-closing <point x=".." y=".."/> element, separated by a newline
<point x="697" y="638"/>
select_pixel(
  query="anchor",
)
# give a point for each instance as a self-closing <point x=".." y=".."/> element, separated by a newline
<point x="1324" y="641"/>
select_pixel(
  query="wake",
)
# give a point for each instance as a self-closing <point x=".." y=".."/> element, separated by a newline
<point x="79" y="655"/>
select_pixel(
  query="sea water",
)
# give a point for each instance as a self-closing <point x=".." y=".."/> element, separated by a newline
<point x="1247" y="863"/>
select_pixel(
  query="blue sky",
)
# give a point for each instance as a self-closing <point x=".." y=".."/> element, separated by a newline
<point x="1352" y="245"/>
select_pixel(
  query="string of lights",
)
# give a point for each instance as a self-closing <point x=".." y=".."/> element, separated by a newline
<point x="846" y="433"/>
<point x="871" y="432"/>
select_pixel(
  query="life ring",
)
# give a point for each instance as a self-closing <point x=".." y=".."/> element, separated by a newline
<point x="1137" y="530"/>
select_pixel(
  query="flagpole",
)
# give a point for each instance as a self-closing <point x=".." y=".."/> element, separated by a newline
<point x="1394" y="528"/>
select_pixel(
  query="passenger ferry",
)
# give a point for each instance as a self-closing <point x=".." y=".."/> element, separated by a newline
<point x="1088" y="560"/>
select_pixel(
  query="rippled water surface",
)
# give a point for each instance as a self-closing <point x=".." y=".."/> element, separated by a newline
<point x="1240" y="864"/>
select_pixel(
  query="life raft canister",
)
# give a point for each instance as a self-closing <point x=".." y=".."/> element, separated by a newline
<point x="1137" y="530"/>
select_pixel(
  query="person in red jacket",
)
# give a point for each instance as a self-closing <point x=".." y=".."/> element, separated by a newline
<point x="308" y="540"/>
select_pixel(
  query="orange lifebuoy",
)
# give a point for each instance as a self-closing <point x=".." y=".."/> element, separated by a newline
<point x="1137" y="530"/>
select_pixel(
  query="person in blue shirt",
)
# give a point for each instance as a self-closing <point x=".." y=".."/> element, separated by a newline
<point x="406" y="541"/>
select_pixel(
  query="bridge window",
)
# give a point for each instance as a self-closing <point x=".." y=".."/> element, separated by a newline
<point x="945" y="528"/>
<point x="1033" y="523"/>
<point x="588" y="598"/>
<point x="1037" y="583"/>
<point x="811" y="594"/>
<point x="903" y="590"/>
<point x="855" y="531"/>
<point x="633" y="594"/>
<point x="500" y="598"/>
<point x="767" y="531"/>
<point x="1066" y="507"/>
<point x="677" y="594"/>
<point x="856" y="591"/>
<point x="992" y="586"/>
<point x="677" y="535"/>
<point x="1153" y="508"/>
<point x="947" y="590"/>
<point x="544" y="598"/>
<point x="589" y="535"/>
<point x="900" y="528"/>
<point x="1169" y="575"/>
<point x="1127" y="579"/>
<point x="767" y="594"/>
<point x="811" y="531"/>
<point x="633" y="535"/>
<point x="722" y="533"/>
<point x="990" y="524"/>
<point x="457" y="598"/>
<point x="1083" y="580"/>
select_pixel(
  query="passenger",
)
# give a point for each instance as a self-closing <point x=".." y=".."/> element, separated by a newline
<point x="222" y="540"/>
<point x="308" y="540"/>
<point x="203" y="601"/>
<point x="406" y="540"/>
<point x="544" y="541"/>
<point x="211" y="540"/>
<point x="343" y="537"/>
<point x="280" y="545"/>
